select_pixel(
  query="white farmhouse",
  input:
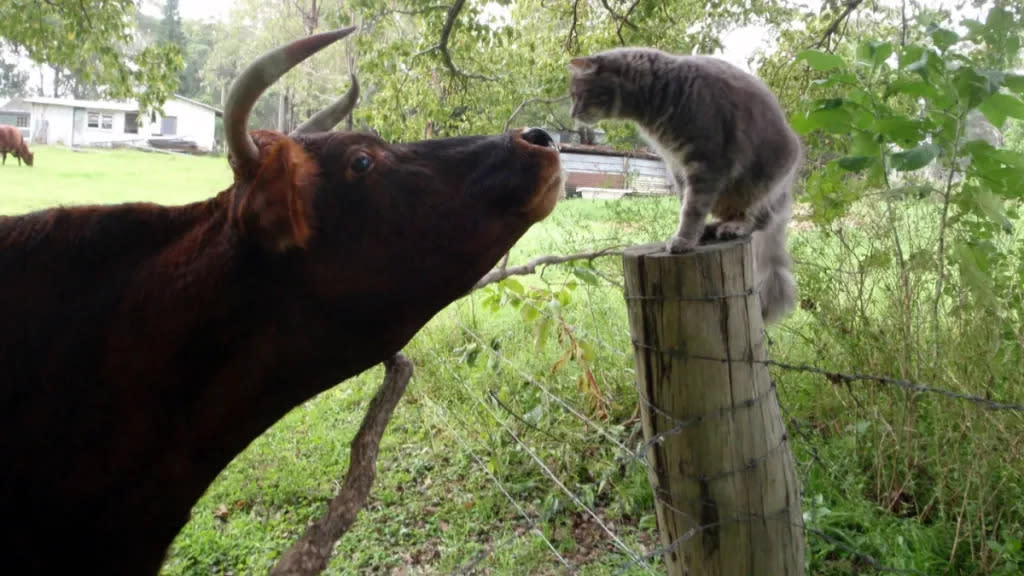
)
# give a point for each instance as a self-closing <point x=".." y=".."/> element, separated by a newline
<point x="69" y="122"/>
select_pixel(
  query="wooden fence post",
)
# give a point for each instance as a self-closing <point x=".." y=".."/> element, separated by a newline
<point x="724" y="479"/>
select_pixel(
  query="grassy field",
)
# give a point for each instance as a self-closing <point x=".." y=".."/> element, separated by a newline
<point x="906" y="481"/>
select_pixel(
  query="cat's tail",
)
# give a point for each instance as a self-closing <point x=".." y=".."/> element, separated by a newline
<point x="772" y="263"/>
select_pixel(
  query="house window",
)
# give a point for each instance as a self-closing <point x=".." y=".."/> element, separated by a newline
<point x="101" y="121"/>
<point x="169" y="125"/>
<point x="22" y="122"/>
<point x="131" y="123"/>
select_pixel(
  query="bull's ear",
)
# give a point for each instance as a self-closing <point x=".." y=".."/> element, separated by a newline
<point x="275" y="207"/>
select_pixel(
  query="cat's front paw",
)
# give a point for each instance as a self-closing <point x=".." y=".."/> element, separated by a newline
<point x="731" y="229"/>
<point x="677" y="245"/>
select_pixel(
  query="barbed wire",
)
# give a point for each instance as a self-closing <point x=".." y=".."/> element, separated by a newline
<point x="678" y="425"/>
<point x="551" y="475"/>
<point x="642" y="558"/>
<point x="531" y="524"/>
<point x="837" y="377"/>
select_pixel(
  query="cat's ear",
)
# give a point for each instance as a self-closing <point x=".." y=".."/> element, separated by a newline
<point x="582" y="66"/>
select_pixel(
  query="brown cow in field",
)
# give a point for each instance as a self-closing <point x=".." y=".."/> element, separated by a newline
<point x="11" y="141"/>
<point x="142" y="347"/>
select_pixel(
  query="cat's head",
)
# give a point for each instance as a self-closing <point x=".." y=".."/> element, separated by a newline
<point x="593" y="89"/>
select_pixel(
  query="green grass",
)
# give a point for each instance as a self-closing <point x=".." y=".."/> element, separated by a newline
<point x="917" y="482"/>
<point x="61" y="176"/>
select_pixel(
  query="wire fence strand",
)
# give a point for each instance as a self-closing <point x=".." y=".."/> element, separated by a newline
<point x="511" y="426"/>
<point x="837" y="377"/>
<point x="531" y="524"/>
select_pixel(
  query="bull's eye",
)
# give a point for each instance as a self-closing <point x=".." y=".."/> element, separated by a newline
<point x="361" y="164"/>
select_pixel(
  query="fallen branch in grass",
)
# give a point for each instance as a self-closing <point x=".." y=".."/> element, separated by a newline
<point x="311" y="553"/>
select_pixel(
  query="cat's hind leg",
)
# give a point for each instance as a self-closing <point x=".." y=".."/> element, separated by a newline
<point x="741" y="210"/>
<point x="701" y="190"/>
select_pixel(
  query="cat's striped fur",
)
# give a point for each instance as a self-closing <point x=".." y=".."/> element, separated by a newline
<point x="724" y="139"/>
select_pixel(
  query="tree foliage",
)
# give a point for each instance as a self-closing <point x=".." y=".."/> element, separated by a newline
<point x="96" y="40"/>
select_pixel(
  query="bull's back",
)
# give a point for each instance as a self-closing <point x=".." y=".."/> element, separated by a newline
<point x="64" y="274"/>
<point x="10" y="139"/>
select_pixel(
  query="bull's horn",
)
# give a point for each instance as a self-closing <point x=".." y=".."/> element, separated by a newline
<point x="256" y="78"/>
<point x="329" y="117"/>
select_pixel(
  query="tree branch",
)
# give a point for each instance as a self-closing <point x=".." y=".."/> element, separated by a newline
<point x="311" y="553"/>
<point x="442" y="46"/>
<point x="620" y="19"/>
<point x="529" y="101"/>
<point x="625" y="20"/>
<point x="851" y="5"/>
<point x="499" y="274"/>
<point x="573" y="37"/>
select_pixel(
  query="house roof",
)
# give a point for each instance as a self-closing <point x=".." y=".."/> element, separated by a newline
<point x="74" y="103"/>
<point x="121" y="105"/>
<point x="16" y="105"/>
<point x="200" y="104"/>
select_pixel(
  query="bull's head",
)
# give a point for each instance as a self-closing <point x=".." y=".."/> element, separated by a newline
<point x="145" y="346"/>
<point x="395" y="231"/>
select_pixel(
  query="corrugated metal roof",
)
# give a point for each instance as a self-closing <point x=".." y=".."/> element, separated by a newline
<point x="606" y="151"/>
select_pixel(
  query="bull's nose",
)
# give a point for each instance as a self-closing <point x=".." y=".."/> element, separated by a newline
<point x="538" y="137"/>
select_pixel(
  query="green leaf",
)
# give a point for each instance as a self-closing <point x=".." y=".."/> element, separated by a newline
<point x="828" y="195"/>
<point x="513" y="285"/>
<point x="836" y="78"/>
<point x="976" y="30"/>
<point x="564" y="298"/>
<point x="910" y="54"/>
<point x="944" y="38"/>
<point x="1014" y="82"/>
<point x="900" y="129"/>
<point x="821" y="61"/>
<point x="586" y="275"/>
<point x="982" y="151"/>
<point x="873" y="52"/>
<point x="999" y="105"/>
<point x="834" y="120"/>
<point x="541" y="331"/>
<point x="589" y="351"/>
<point x="855" y="163"/>
<point x="992" y="207"/>
<point x="914" y="159"/>
<point x="975" y="85"/>
<point x="918" y="88"/>
<point x="970" y="259"/>
<point x="865" y="143"/>
<point x="529" y="312"/>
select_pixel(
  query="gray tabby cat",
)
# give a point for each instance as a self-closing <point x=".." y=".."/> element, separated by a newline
<point x="724" y="139"/>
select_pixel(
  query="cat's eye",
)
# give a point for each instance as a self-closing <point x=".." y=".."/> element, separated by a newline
<point x="361" y="164"/>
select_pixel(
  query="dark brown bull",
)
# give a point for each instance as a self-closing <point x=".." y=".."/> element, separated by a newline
<point x="142" y="347"/>
<point x="11" y="141"/>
